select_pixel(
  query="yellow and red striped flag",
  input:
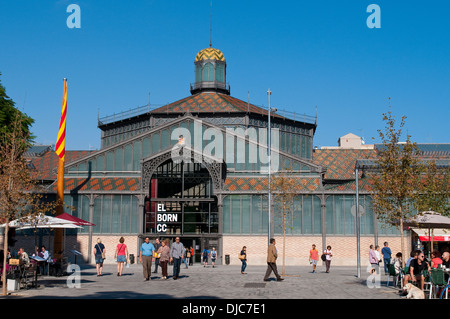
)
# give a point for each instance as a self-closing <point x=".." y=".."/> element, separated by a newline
<point x="60" y="147"/>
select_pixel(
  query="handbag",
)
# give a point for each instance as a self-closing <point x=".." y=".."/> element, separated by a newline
<point x="241" y="257"/>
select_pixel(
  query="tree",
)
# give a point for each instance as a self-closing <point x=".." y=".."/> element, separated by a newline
<point x="8" y="114"/>
<point x="284" y="187"/>
<point x="20" y="197"/>
<point x="398" y="176"/>
<point x="434" y="191"/>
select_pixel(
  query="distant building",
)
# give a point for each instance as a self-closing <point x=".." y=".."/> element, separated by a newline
<point x="350" y="141"/>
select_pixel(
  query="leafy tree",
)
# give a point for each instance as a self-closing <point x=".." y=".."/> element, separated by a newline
<point x="9" y="113"/>
<point x="20" y="197"/>
<point x="398" y="176"/>
<point x="284" y="188"/>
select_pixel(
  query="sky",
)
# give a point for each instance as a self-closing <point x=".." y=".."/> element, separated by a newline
<point x="315" y="56"/>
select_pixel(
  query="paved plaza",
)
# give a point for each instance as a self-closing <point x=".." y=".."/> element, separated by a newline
<point x="221" y="282"/>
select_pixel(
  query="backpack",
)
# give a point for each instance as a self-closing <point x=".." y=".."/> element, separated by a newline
<point x="323" y="257"/>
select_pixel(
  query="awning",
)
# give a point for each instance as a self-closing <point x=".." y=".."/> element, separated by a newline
<point x="439" y="234"/>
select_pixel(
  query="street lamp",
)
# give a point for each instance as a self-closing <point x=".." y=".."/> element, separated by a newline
<point x="270" y="232"/>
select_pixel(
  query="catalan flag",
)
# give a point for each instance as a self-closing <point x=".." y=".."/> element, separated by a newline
<point x="61" y="140"/>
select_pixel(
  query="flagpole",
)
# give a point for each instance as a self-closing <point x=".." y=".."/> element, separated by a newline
<point x="60" y="151"/>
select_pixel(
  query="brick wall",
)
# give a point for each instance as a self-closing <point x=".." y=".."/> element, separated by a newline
<point x="297" y="249"/>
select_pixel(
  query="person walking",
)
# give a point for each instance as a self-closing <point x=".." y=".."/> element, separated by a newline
<point x="157" y="245"/>
<point x="387" y="253"/>
<point x="243" y="259"/>
<point x="185" y="258"/>
<point x="146" y="257"/>
<point x="328" y="254"/>
<point x="191" y="259"/>
<point x="373" y="259"/>
<point x="205" y="254"/>
<point x="121" y="255"/>
<point x="188" y="256"/>
<point x="213" y="256"/>
<point x="99" y="255"/>
<point x="164" y="252"/>
<point x="272" y="256"/>
<point x="313" y="257"/>
<point x="176" y="254"/>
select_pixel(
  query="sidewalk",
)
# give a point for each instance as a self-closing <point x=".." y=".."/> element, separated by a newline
<point x="221" y="282"/>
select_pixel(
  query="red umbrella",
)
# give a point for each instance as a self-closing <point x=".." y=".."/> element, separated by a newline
<point x="76" y="220"/>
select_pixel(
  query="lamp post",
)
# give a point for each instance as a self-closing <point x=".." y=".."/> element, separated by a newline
<point x="270" y="230"/>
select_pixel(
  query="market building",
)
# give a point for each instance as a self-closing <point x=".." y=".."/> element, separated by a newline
<point x="197" y="168"/>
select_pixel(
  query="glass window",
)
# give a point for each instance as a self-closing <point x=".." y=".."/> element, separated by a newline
<point x="118" y="165"/>
<point x="128" y="158"/>
<point x="106" y="214"/>
<point x="155" y="143"/>
<point x="220" y="72"/>
<point x="100" y="163"/>
<point x="246" y="221"/>
<point x="235" y="214"/>
<point x="208" y="72"/>
<point x="136" y="156"/>
<point x="226" y="209"/>
<point x="116" y="207"/>
<point x="109" y="161"/>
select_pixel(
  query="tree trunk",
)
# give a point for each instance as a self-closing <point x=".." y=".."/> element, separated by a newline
<point x="402" y="240"/>
<point x="5" y="256"/>
<point x="284" y="244"/>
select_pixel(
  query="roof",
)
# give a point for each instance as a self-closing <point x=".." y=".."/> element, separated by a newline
<point x="46" y="166"/>
<point x="211" y="102"/>
<point x="210" y="54"/>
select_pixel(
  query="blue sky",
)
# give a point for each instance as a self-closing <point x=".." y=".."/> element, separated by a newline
<point x="309" y="53"/>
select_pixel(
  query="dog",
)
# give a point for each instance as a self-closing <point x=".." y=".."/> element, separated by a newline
<point x="413" y="292"/>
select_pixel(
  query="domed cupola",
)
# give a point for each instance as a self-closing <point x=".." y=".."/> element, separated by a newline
<point x="210" y="72"/>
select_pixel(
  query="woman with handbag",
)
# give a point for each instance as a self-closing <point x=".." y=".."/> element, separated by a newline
<point x="100" y="255"/>
<point x="164" y="256"/>
<point x="243" y="258"/>
<point x="121" y="255"/>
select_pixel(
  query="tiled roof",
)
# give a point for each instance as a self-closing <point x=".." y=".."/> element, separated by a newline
<point x="261" y="184"/>
<point x="46" y="166"/>
<point x="340" y="163"/>
<point x="210" y="102"/>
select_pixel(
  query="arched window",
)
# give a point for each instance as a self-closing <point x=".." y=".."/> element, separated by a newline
<point x="198" y="73"/>
<point x="220" y="73"/>
<point x="208" y="72"/>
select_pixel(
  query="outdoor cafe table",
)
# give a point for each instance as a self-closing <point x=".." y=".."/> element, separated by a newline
<point x="38" y="260"/>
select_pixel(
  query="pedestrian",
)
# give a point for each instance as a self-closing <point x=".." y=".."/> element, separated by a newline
<point x="99" y="254"/>
<point x="328" y="254"/>
<point x="205" y="254"/>
<point x="313" y="257"/>
<point x="243" y="259"/>
<point x="176" y="254"/>
<point x="121" y="255"/>
<point x="387" y="253"/>
<point x="272" y="256"/>
<point x="191" y="259"/>
<point x="373" y="259"/>
<point x="378" y="253"/>
<point x="188" y="256"/>
<point x="164" y="252"/>
<point x="157" y="245"/>
<point x="397" y="262"/>
<point x="146" y="257"/>
<point x="185" y="258"/>
<point x="213" y="256"/>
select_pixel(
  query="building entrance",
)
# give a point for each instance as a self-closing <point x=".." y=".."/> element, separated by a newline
<point x="181" y="203"/>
